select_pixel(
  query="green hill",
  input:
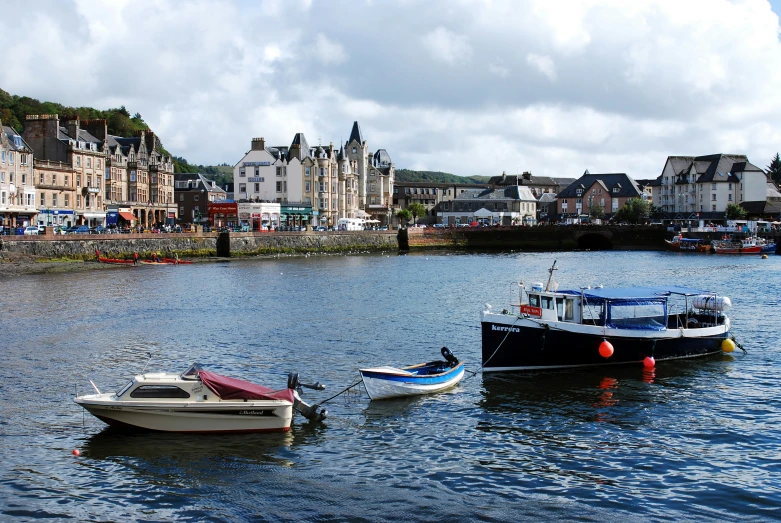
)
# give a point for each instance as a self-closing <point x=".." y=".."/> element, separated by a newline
<point x="407" y="175"/>
<point x="14" y="109"/>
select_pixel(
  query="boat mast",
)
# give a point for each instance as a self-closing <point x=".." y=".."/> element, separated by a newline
<point x="550" y="277"/>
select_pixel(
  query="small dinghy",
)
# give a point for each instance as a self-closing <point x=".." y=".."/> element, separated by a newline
<point x="389" y="382"/>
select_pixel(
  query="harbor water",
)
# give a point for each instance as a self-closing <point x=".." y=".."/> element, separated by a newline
<point x="690" y="440"/>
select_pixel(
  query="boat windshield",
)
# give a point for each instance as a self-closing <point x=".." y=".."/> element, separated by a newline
<point x="192" y="372"/>
<point x="125" y="388"/>
<point x="637" y="314"/>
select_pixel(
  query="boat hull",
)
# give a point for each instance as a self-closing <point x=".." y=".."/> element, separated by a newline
<point x="191" y="417"/>
<point x="385" y="385"/>
<point x="510" y="343"/>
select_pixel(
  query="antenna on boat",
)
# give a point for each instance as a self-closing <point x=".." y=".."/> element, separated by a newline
<point x="147" y="361"/>
<point x="550" y="271"/>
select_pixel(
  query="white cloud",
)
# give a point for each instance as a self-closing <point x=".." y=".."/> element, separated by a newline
<point x="543" y="64"/>
<point x="329" y="52"/>
<point x="448" y="47"/>
<point x="440" y="84"/>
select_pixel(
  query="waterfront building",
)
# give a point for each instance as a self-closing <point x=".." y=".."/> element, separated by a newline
<point x="610" y="191"/>
<point x="546" y="207"/>
<point x="429" y="194"/>
<point x="55" y="185"/>
<point x="511" y="205"/>
<point x="111" y="174"/>
<point x="350" y="182"/>
<point x="700" y="187"/>
<point x="193" y="194"/>
<point x="68" y="146"/>
<point x="259" y="216"/>
<point x="17" y="187"/>
<point x="538" y="185"/>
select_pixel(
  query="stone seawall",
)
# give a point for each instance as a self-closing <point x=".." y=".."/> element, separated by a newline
<point x="186" y="245"/>
<point x="540" y="238"/>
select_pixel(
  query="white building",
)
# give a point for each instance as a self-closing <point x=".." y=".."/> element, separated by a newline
<point x="511" y="205"/>
<point x="692" y="187"/>
<point x="18" y="206"/>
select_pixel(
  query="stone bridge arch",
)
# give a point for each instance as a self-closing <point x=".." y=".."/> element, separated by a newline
<point x="595" y="240"/>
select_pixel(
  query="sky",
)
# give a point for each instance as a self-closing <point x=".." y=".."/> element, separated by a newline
<point x="461" y="86"/>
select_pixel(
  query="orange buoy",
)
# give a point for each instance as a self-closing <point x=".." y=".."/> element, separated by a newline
<point x="605" y="349"/>
<point x="649" y="362"/>
<point x="76" y="452"/>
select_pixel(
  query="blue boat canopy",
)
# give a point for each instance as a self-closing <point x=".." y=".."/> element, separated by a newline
<point x="634" y="293"/>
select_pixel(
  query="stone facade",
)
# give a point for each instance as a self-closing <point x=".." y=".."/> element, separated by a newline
<point x="110" y="174"/>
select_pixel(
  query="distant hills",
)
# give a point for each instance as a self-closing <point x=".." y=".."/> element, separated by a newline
<point x="407" y="175"/>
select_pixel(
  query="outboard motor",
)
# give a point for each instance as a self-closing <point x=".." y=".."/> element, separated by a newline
<point x="451" y="360"/>
<point x="310" y="412"/>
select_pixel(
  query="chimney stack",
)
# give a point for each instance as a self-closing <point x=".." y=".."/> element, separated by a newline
<point x="258" y="144"/>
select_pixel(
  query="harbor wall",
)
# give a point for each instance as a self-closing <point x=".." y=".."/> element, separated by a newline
<point x="83" y="246"/>
<point x="538" y="238"/>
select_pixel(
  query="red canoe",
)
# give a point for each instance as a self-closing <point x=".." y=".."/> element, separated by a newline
<point x="112" y="260"/>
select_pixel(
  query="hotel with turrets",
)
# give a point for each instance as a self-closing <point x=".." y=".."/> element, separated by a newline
<point x="320" y="183"/>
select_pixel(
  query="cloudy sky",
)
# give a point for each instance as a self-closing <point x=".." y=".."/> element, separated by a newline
<point x="462" y="86"/>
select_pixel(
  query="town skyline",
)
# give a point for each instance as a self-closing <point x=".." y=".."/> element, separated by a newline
<point x="470" y="89"/>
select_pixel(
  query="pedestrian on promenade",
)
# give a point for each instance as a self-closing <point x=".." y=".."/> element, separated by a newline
<point x="135" y="258"/>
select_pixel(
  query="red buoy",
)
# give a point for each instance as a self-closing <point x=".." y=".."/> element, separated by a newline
<point x="605" y="349"/>
<point x="76" y="452"/>
<point x="649" y="362"/>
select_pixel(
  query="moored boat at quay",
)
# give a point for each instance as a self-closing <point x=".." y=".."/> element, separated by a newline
<point x="552" y="328"/>
<point x="747" y="245"/>
<point x="681" y="244"/>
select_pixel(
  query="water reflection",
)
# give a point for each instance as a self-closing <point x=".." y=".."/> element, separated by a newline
<point x="187" y="449"/>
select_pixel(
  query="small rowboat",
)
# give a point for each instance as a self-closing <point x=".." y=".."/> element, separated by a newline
<point x="389" y="382"/>
<point x="112" y="260"/>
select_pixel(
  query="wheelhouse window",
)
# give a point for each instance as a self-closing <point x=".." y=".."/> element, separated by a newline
<point x="159" y="391"/>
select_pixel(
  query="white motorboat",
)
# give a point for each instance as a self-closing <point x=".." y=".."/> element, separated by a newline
<point x="425" y="378"/>
<point x="199" y="401"/>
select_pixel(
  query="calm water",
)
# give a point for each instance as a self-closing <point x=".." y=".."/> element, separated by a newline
<point x="695" y="440"/>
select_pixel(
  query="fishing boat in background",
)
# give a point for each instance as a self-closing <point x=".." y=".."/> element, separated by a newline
<point x="389" y="382"/>
<point x="119" y="261"/>
<point x="747" y="245"/>
<point x="200" y="401"/>
<point x="681" y="244"/>
<point x="551" y="328"/>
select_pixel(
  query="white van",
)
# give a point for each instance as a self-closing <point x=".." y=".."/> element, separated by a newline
<point x="350" y="224"/>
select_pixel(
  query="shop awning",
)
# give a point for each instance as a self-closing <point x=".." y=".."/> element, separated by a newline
<point x="129" y="216"/>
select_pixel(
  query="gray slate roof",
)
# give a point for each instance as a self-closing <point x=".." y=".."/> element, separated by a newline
<point x="513" y="192"/>
<point x="627" y="188"/>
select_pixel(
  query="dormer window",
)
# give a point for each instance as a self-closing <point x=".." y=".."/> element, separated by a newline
<point x="579" y="192"/>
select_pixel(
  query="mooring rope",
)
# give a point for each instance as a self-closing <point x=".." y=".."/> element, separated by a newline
<point x="342" y="392"/>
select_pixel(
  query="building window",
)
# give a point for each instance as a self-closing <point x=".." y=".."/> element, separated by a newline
<point x="308" y="186"/>
<point x="42" y="178"/>
<point x="242" y="172"/>
<point x="54" y="199"/>
<point x="67" y="200"/>
<point x="279" y="186"/>
<point x="43" y="200"/>
<point x="279" y="172"/>
<point x="89" y="162"/>
<point x="257" y="187"/>
<point x="195" y="197"/>
<point x="242" y="188"/>
<point x="354" y="150"/>
<point x="181" y="197"/>
<point x="713" y="197"/>
<point x="97" y="163"/>
<point x="132" y="176"/>
<point x="729" y="197"/>
<point x="78" y="180"/>
<point x="322" y="171"/>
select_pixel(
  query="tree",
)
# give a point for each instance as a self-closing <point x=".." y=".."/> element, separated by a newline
<point x="416" y="209"/>
<point x="596" y="211"/>
<point x="774" y="169"/>
<point x="634" y="210"/>
<point x="404" y="215"/>
<point x="735" y="211"/>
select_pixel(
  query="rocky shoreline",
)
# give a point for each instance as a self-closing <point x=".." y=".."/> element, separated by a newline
<point x="13" y="264"/>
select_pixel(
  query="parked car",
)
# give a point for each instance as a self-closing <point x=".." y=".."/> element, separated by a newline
<point x="78" y="229"/>
<point x="31" y="230"/>
<point x="98" y="230"/>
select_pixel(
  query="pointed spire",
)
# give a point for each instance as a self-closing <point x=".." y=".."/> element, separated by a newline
<point x="355" y="134"/>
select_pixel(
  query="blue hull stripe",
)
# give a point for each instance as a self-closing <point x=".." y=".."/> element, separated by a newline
<point x="421" y="380"/>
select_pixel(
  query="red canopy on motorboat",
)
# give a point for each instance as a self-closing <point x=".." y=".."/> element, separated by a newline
<point x="235" y="389"/>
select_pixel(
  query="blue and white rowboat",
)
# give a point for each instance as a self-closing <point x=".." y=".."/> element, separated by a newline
<point x="389" y="382"/>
